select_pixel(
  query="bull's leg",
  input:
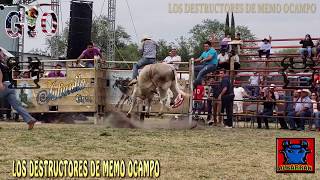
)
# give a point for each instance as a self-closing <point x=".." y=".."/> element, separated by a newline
<point x="120" y="101"/>
<point x="174" y="89"/>
<point x="125" y="100"/>
<point x="163" y="96"/>
<point x="134" y="101"/>
<point x="148" y="107"/>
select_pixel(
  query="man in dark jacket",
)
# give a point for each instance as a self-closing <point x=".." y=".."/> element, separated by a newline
<point x="307" y="45"/>
<point x="226" y="96"/>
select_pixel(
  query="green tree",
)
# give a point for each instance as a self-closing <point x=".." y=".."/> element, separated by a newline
<point x="184" y="48"/>
<point x="57" y="44"/>
<point x="227" y="26"/>
<point x="100" y="36"/>
<point x="201" y="32"/>
<point x="233" y="27"/>
<point x="163" y="49"/>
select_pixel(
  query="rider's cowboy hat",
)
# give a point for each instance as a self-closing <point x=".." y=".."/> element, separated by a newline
<point x="272" y="86"/>
<point x="145" y="37"/>
<point x="307" y="91"/>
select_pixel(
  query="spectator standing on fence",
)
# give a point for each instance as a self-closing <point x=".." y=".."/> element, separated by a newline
<point x="307" y="45"/>
<point x="265" y="47"/>
<point x="268" y="107"/>
<point x="173" y="57"/>
<point x="303" y="109"/>
<point x="226" y="97"/>
<point x="208" y="63"/>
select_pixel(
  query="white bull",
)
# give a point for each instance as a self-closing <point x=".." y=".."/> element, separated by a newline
<point x="156" y="78"/>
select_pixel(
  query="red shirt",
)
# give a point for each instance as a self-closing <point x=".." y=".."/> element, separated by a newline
<point x="317" y="78"/>
<point x="198" y="92"/>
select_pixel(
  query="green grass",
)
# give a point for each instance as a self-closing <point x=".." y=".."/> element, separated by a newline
<point x="209" y="153"/>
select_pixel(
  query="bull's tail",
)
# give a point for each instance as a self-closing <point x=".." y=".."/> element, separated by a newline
<point x="177" y="85"/>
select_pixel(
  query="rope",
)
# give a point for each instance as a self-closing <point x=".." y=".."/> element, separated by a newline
<point x="131" y="17"/>
<point x="102" y="6"/>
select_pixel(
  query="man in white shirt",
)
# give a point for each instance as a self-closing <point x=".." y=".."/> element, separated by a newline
<point x="265" y="48"/>
<point x="223" y="59"/>
<point x="274" y="91"/>
<point x="302" y="109"/>
<point x="173" y="57"/>
<point x="253" y="87"/>
<point x="239" y="93"/>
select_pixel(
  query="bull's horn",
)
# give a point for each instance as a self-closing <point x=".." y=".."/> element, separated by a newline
<point x="304" y="143"/>
<point x="285" y="143"/>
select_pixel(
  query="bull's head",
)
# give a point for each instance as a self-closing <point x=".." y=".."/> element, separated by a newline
<point x="295" y="153"/>
<point x="117" y="82"/>
<point x="122" y="84"/>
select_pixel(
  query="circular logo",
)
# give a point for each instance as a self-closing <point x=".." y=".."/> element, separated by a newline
<point x="42" y="97"/>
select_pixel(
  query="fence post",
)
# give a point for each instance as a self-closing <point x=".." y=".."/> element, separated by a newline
<point x="191" y="71"/>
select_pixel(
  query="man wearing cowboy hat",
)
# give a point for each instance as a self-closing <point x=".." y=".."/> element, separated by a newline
<point x="274" y="91"/>
<point x="148" y="51"/>
<point x="302" y="109"/>
<point x="265" y="47"/>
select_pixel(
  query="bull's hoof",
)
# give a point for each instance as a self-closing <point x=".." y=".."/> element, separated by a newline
<point x="128" y="115"/>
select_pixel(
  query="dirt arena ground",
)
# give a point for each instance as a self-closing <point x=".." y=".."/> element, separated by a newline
<point x="200" y="153"/>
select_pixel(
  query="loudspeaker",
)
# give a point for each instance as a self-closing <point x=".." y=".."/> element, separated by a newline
<point x="79" y="28"/>
<point x="6" y="2"/>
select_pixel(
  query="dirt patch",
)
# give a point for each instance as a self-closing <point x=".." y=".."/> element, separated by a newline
<point x="117" y="119"/>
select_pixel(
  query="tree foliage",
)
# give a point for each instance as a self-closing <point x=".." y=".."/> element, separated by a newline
<point x="57" y="44"/>
<point x="233" y="27"/>
<point x="201" y="32"/>
<point x="227" y="25"/>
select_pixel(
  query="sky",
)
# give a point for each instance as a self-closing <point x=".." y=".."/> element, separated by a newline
<point x="170" y="19"/>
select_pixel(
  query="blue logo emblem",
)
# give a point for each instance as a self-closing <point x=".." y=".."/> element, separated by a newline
<point x="295" y="153"/>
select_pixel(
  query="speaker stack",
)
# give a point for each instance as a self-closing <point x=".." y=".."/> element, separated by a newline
<point x="79" y="28"/>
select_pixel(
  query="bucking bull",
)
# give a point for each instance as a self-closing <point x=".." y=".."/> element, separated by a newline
<point x="153" y="79"/>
